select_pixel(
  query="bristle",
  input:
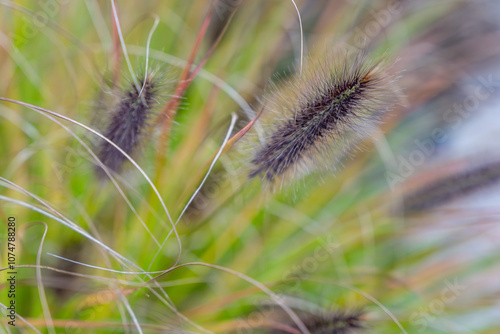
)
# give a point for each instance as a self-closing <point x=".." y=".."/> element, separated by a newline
<point x="127" y="123"/>
<point x="323" y="112"/>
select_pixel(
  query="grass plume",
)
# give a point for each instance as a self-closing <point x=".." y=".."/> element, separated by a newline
<point x="324" y="112"/>
<point x="323" y="322"/>
<point x="127" y="123"/>
<point x="452" y="187"/>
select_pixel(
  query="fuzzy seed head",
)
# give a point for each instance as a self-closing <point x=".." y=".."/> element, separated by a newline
<point x="451" y="187"/>
<point x="128" y="122"/>
<point x="324" y="112"/>
<point x="340" y="322"/>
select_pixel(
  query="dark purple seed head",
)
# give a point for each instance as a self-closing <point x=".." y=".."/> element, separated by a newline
<point x="451" y="187"/>
<point x="326" y="322"/>
<point x="127" y="124"/>
<point x="323" y="112"/>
